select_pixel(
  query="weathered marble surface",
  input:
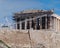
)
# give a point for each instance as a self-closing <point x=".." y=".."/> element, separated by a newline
<point x="50" y="39"/>
<point x="42" y="38"/>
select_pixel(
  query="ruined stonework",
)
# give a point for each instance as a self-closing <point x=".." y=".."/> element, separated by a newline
<point x="40" y="38"/>
<point x="37" y="20"/>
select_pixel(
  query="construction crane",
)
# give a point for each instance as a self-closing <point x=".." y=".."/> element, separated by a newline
<point x="8" y="22"/>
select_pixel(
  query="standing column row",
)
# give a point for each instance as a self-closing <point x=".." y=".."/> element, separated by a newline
<point x="38" y="23"/>
<point x="26" y="25"/>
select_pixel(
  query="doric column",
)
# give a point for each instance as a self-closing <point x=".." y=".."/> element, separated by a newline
<point x="30" y="23"/>
<point x="40" y="22"/>
<point x="38" y="26"/>
<point x="59" y="25"/>
<point x="25" y="24"/>
<point x="34" y="23"/>
<point x="16" y="25"/>
<point x="46" y="22"/>
<point x="20" y="25"/>
<point x="51" y="23"/>
<point x="56" y="24"/>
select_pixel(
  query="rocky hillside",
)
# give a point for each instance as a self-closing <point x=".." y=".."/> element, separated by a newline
<point x="34" y="38"/>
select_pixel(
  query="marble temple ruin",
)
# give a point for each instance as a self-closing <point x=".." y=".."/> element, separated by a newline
<point x="37" y="20"/>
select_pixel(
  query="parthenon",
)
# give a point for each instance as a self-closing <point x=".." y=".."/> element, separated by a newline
<point x="36" y="20"/>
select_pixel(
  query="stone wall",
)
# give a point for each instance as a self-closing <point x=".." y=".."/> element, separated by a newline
<point x="50" y="39"/>
<point x="44" y="38"/>
<point x="14" y="37"/>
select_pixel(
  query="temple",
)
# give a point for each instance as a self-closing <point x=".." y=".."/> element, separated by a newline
<point x="37" y="20"/>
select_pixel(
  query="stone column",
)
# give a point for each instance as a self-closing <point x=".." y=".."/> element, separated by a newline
<point x="40" y="22"/>
<point x="59" y="25"/>
<point x="16" y="25"/>
<point x="30" y="23"/>
<point x="56" y="24"/>
<point x="51" y="23"/>
<point x="35" y="23"/>
<point x="25" y="24"/>
<point x="46" y="22"/>
<point x="20" y="25"/>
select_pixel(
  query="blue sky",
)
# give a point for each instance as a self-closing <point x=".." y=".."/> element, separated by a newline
<point x="8" y="7"/>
